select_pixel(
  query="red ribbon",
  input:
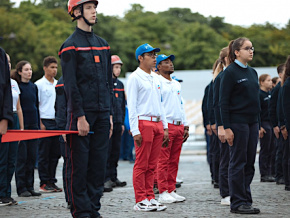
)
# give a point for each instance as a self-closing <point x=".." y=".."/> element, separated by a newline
<point x="20" y="135"/>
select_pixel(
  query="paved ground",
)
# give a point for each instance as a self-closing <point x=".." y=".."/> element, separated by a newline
<point x="202" y="199"/>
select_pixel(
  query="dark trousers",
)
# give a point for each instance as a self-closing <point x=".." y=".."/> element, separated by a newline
<point x="286" y="160"/>
<point x="26" y="157"/>
<point x="88" y="159"/>
<point x="66" y="169"/>
<point x="207" y="139"/>
<point x="48" y="154"/>
<point x="114" y="153"/>
<point x="127" y="146"/>
<point x="8" y="154"/>
<point x="242" y="160"/>
<point x="279" y="157"/>
<point x="265" y="151"/>
<point x="273" y="154"/>
<point x="215" y="153"/>
<point x="224" y="169"/>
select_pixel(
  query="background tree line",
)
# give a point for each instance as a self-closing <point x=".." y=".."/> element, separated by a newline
<point x="35" y="30"/>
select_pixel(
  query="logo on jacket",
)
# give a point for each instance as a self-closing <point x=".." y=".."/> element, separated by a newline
<point x="158" y="86"/>
<point x="242" y="80"/>
<point x="178" y="92"/>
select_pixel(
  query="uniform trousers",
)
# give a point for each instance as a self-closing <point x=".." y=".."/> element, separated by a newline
<point x="26" y="157"/>
<point x="114" y="152"/>
<point x="146" y="159"/>
<point x="168" y="160"/>
<point x="242" y="160"/>
<point x="88" y="163"/>
<point x="48" y="154"/>
<point x="66" y="168"/>
<point x="266" y="150"/>
<point x="224" y="169"/>
<point x="215" y="153"/>
<point x="8" y="154"/>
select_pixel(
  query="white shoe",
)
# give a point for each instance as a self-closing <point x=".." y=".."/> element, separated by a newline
<point x="160" y="207"/>
<point x="177" y="197"/>
<point x="166" y="198"/>
<point x="226" y="201"/>
<point x="179" y="180"/>
<point x="145" y="206"/>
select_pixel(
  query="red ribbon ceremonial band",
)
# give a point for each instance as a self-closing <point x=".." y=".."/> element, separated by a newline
<point x="20" y="135"/>
<point x="83" y="49"/>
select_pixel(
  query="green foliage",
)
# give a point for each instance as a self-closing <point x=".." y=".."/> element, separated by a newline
<point x="35" y="30"/>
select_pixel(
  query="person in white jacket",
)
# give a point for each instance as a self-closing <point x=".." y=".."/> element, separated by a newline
<point x="148" y="126"/>
<point x="167" y="166"/>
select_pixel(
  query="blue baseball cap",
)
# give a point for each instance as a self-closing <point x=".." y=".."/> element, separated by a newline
<point x="163" y="57"/>
<point x="145" y="48"/>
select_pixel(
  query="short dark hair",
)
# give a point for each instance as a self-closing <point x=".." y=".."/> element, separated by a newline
<point x="274" y="79"/>
<point x="48" y="60"/>
<point x="280" y="68"/>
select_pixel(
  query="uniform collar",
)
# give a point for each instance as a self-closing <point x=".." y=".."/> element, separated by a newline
<point x="240" y="64"/>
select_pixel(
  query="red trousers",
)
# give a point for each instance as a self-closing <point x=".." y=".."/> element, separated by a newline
<point x="146" y="159"/>
<point x="168" y="160"/>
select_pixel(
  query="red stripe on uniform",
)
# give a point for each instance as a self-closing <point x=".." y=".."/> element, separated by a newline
<point x="83" y="49"/>
<point x="59" y="85"/>
<point x="118" y="89"/>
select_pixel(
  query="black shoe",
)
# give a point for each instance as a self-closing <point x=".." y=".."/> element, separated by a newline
<point x="119" y="183"/>
<point x="267" y="179"/>
<point x="113" y="184"/>
<point x="53" y="185"/>
<point x="216" y="185"/>
<point x="108" y="186"/>
<point x="178" y="184"/>
<point x="34" y="193"/>
<point x="287" y="188"/>
<point x="212" y="181"/>
<point x="5" y="202"/>
<point x="11" y="201"/>
<point x="280" y="181"/>
<point x="245" y="209"/>
<point x="25" y="194"/>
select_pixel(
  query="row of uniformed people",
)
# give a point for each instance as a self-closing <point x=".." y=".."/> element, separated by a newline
<point x="233" y="120"/>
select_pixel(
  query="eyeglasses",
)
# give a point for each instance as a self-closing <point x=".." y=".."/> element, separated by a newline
<point x="249" y="49"/>
<point x="152" y="55"/>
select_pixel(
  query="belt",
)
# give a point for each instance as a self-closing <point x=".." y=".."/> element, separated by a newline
<point x="154" y="119"/>
<point x="175" y="122"/>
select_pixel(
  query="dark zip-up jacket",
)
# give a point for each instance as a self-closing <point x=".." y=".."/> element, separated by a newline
<point x="87" y="73"/>
<point x="239" y="95"/>
<point x="6" y="111"/>
<point x="60" y="105"/>
<point x="210" y="108"/>
<point x="119" y="101"/>
<point x="280" y="114"/>
<point x="264" y="101"/>
<point x="204" y="107"/>
<point x="273" y="105"/>
<point x="286" y="103"/>
<point x="216" y="106"/>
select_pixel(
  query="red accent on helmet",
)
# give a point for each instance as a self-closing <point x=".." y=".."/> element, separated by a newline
<point x="115" y="59"/>
<point x="74" y="3"/>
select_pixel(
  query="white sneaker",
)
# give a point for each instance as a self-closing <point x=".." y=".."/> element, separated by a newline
<point x="177" y="197"/>
<point x="145" y="206"/>
<point x="166" y="198"/>
<point x="226" y="201"/>
<point x="179" y="180"/>
<point x="160" y="207"/>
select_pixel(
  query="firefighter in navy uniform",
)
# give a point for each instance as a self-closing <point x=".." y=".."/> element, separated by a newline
<point x="60" y="119"/>
<point x="87" y="73"/>
<point x="118" y="120"/>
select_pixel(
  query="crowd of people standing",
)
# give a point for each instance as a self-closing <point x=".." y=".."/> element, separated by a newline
<point x="240" y="109"/>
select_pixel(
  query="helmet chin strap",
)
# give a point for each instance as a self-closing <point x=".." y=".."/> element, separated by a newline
<point x="85" y="19"/>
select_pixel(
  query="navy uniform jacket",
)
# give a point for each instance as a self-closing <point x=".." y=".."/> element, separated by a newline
<point x="87" y="73"/>
<point x="273" y="105"/>
<point x="60" y="105"/>
<point x="6" y="111"/>
<point x="286" y="103"/>
<point x="210" y="108"/>
<point x="119" y="101"/>
<point x="204" y="107"/>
